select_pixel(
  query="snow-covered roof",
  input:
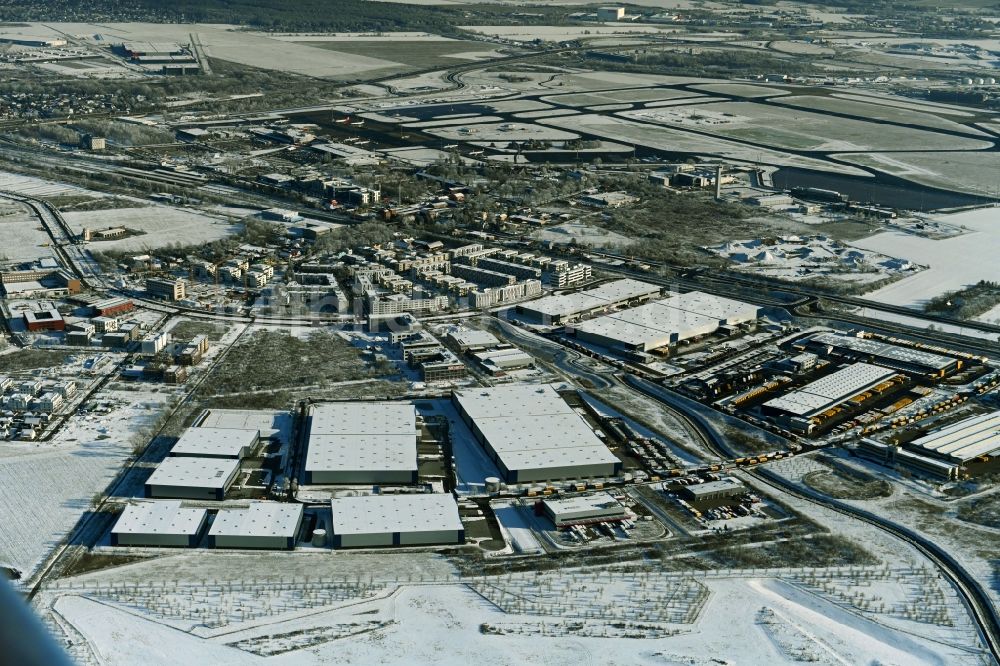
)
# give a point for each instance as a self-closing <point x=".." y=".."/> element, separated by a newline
<point x="530" y="426"/>
<point x="965" y="440"/>
<point x="473" y="337"/>
<point x="355" y="436"/>
<point x="194" y="472"/>
<point x="831" y="390"/>
<point x="221" y="442"/>
<point x="382" y="514"/>
<point x="259" y="519"/>
<point x="606" y="295"/>
<point x="268" y="422"/>
<point x="159" y="517"/>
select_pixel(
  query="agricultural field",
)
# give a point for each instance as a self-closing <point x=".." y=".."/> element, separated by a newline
<point x="79" y="463"/>
<point x="408" y="610"/>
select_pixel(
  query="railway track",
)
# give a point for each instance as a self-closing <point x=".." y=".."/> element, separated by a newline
<point x="972" y="593"/>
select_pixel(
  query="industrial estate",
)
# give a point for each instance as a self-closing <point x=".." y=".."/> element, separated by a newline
<point x="410" y="333"/>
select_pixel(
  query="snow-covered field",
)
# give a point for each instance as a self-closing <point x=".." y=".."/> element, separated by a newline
<point x="808" y="257"/>
<point x="954" y="262"/>
<point x="39" y="187"/>
<point x="559" y="33"/>
<point x="583" y="234"/>
<point x="24" y="239"/>
<point x="162" y="225"/>
<point x="584" y="618"/>
<point x="48" y="486"/>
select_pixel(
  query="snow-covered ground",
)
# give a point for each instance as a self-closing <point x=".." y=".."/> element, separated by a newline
<point x="575" y="618"/>
<point x="48" y="486"/>
<point x="808" y="257"/>
<point x="954" y="262"/>
<point x="160" y="226"/>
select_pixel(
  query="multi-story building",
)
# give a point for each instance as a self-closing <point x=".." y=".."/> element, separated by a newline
<point x="171" y="290"/>
<point x="493" y="296"/>
<point x="483" y="276"/>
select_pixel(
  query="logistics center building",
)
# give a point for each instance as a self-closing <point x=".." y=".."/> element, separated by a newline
<point x="830" y="391"/>
<point x="216" y="443"/>
<point x="362" y="443"/>
<point x="856" y="348"/>
<point x="532" y="434"/>
<point x="963" y="441"/>
<point x="666" y="322"/>
<point x="158" y="523"/>
<point x="193" y="478"/>
<point x="583" y="510"/>
<point x="271" y="525"/>
<point x="563" y="308"/>
<point x="396" y="520"/>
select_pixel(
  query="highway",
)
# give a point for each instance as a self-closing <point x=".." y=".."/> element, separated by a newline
<point x="971" y="591"/>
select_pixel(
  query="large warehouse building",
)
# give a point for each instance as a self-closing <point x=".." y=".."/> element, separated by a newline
<point x="216" y="443"/>
<point x="666" y="322"/>
<point x="158" y="523"/>
<point x="855" y="348"/>
<point x="193" y="478"/>
<point x="270" y="525"/>
<point x="963" y="441"/>
<point x="532" y="434"/>
<point x="362" y="443"/>
<point x="395" y="520"/>
<point x="830" y="392"/>
<point x="561" y="309"/>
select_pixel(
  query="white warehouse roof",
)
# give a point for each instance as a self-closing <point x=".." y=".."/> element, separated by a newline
<point x="215" y="442"/>
<point x="831" y="390"/>
<point x="668" y="321"/>
<point x="358" y="436"/>
<point x="606" y="295"/>
<point x="530" y="427"/>
<point x="381" y="514"/>
<point x="163" y="517"/>
<point x="473" y="337"/>
<point x="268" y="422"/>
<point x="884" y="350"/>
<point x="965" y="440"/>
<point x="194" y="472"/>
<point x="260" y="519"/>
